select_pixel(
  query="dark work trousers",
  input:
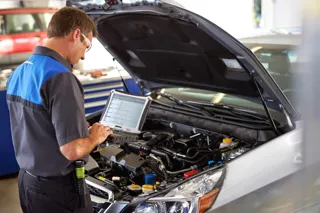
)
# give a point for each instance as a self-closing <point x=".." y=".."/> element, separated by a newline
<point x="49" y="195"/>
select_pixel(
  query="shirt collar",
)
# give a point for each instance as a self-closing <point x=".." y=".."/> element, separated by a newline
<point x="41" y="50"/>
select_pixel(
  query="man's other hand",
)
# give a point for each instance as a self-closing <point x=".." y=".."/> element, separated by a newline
<point x="99" y="133"/>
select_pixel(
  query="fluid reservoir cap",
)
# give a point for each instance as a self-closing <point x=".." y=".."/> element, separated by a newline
<point x="227" y="140"/>
<point x="134" y="187"/>
<point x="147" y="188"/>
<point x="150" y="179"/>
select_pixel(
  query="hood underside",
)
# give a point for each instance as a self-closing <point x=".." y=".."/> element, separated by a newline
<point x="162" y="50"/>
<point x="164" y="46"/>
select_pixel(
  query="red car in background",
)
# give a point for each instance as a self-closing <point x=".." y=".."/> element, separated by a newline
<point x="21" y="30"/>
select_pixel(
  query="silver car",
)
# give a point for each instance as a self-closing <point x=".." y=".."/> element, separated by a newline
<point x="220" y="134"/>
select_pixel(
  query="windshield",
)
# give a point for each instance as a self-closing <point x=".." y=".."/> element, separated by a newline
<point x="278" y="61"/>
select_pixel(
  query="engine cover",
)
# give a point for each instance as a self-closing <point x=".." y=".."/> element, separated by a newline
<point x="130" y="161"/>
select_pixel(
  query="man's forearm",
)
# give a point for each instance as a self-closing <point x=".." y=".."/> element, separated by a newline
<point x="78" y="148"/>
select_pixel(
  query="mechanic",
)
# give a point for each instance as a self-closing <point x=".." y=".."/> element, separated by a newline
<point x="49" y="129"/>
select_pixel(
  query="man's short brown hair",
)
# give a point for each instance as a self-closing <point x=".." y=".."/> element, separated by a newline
<point x="68" y="19"/>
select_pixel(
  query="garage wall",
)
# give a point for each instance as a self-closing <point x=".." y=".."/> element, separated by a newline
<point x="234" y="16"/>
<point x="45" y="3"/>
<point x="282" y="14"/>
<point x="32" y="3"/>
<point x="9" y="4"/>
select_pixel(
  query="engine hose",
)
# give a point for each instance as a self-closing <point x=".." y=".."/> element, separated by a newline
<point x="192" y="148"/>
<point x="157" y="139"/>
<point x="135" y="147"/>
<point x="179" y="171"/>
<point x="192" y="161"/>
<point x="187" y="157"/>
<point x="163" y="169"/>
<point x="221" y="150"/>
<point x="165" y="174"/>
<point x="162" y="154"/>
<point x="199" y="165"/>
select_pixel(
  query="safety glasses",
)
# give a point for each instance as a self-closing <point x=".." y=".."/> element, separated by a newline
<point x="88" y="43"/>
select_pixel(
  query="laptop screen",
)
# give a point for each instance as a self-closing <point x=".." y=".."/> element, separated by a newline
<point x="124" y="111"/>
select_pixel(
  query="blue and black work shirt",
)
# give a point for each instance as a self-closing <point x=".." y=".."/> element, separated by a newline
<point x="46" y="105"/>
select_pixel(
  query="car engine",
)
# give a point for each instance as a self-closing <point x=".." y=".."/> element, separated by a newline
<point x="164" y="155"/>
<point x="172" y="145"/>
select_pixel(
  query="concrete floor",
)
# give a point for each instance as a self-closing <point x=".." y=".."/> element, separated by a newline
<point x="9" y="197"/>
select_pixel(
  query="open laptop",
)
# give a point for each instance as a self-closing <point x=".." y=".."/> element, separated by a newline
<point x="125" y="115"/>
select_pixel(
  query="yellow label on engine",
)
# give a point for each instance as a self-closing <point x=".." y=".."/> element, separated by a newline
<point x="102" y="178"/>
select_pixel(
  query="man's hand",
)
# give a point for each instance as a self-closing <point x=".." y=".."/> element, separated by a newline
<point x="99" y="133"/>
<point x="83" y="146"/>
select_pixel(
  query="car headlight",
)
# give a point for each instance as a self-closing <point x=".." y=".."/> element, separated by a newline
<point x="193" y="196"/>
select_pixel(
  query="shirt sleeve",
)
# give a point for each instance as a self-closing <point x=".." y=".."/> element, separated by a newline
<point x="63" y="97"/>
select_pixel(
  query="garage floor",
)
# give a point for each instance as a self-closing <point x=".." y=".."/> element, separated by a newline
<point x="9" y="197"/>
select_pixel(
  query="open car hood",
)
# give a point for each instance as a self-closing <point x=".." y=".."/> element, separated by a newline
<point x="163" y="46"/>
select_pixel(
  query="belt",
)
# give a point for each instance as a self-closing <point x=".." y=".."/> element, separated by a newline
<point x="69" y="176"/>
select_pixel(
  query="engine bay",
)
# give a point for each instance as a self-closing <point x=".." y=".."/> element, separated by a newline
<point x="171" y="147"/>
<point x="162" y="156"/>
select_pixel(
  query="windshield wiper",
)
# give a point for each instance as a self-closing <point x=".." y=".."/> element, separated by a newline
<point x="232" y="110"/>
<point x="202" y="107"/>
<point x="179" y="102"/>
